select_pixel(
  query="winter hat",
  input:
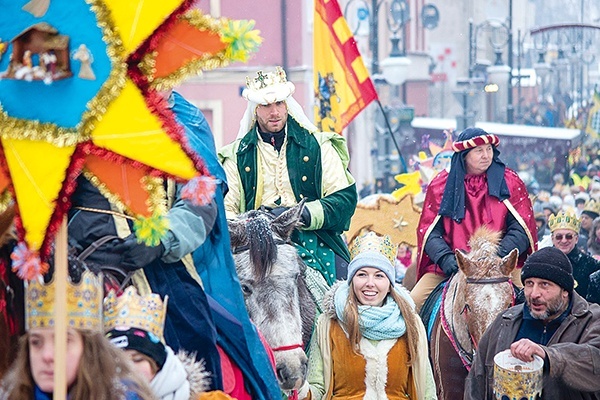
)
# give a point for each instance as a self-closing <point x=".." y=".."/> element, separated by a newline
<point x="140" y="340"/>
<point x="453" y="199"/>
<point x="552" y="264"/>
<point x="371" y="250"/>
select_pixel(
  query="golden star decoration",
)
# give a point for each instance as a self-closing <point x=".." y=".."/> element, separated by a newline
<point x="386" y="215"/>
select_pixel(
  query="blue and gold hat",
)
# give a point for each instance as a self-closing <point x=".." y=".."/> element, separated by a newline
<point x="372" y="250"/>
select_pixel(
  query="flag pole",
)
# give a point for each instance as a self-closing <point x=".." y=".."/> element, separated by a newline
<point x="60" y="312"/>
<point x="389" y="127"/>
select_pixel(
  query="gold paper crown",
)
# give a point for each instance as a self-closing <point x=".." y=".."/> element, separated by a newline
<point x="130" y="310"/>
<point x="84" y="303"/>
<point x="564" y="220"/>
<point x="262" y="80"/>
<point x="592" y="206"/>
<point x="370" y="241"/>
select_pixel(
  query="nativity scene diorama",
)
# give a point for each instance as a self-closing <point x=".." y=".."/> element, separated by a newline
<point x="40" y="53"/>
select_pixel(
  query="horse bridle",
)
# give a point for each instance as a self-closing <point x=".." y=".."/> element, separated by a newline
<point x="485" y="281"/>
<point x="289" y="347"/>
<point x="466" y="357"/>
<point x="278" y="242"/>
<point x="246" y="247"/>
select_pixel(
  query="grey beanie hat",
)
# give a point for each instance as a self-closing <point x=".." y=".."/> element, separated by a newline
<point x="372" y="259"/>
<point x="552" y="264"/>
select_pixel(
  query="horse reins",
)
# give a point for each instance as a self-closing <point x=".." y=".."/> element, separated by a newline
<point x="289" y="347"/>
<point x="466" y="357"/>
<point x="246" y="247"/>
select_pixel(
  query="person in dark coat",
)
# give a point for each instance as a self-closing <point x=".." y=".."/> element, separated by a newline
<point x="555" y="323"/>
<point x="593" y="295"/>
<point x="565" y="227"/>
<point x="196" y="249"/>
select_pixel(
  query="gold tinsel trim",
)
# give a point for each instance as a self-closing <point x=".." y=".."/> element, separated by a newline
<point x="209" y="61"/>
<point x="16" y="128"/>
<point x="200" y="20"/>
<point x="192" y="68"/>
<point x="5" y="201"/>
<point x="115" y="82"/>
<point x="157" y="196"/>
<point x="148" y="65"/>
<point x="104" y="191"/>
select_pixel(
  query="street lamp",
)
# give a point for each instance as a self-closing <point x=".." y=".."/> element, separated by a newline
<point x="574" y="45"/>
<point x="542" y="69"/>
<point x="498" y="37"/>
<point x="394" y="68"/>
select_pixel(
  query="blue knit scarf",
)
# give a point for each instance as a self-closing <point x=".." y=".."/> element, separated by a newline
<point x="376" y="323"/>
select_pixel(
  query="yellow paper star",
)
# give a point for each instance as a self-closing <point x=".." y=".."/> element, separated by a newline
<point x="411" y="182"/>
<point x="386" y="215"/>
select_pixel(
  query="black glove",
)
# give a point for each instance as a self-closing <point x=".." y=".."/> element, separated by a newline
<point x="448" y="264"/>
<point x="277" y="211"/>
<point x="304" y="217"/>
<point x="136" y="255"/>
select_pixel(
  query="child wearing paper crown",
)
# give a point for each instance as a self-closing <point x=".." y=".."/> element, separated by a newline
<point x="369" y="342"/>
<point x="135" y="324"/>
<point x="95" y="369"/>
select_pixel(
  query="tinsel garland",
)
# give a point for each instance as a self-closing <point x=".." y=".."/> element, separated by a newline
<point x="158" y="105"/>
<point x="63" y="201"/>
<point x="240" y="37"/>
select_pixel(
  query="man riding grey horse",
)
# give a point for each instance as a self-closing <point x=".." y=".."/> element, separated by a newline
<point x="280" y="158"/>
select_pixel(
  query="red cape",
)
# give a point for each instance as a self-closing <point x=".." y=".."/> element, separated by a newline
<point x="483" y="210"/>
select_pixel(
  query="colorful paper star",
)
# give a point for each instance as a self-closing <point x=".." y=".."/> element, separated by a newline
<point x="101" y="113"/>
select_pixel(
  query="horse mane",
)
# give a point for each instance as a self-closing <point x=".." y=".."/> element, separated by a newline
<point x="262" y="247"/>
<point x="484" y="243"/>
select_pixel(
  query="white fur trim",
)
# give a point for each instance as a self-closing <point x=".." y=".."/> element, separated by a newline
<point x="270" y="94"/>
<point x="376" y="370"/>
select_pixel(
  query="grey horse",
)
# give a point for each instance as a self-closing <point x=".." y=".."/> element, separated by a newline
<point x="272" y="278"/>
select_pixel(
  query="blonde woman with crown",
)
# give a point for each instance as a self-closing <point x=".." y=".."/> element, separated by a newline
<point x="95" y="369"/>
<point x="369" y="343"/>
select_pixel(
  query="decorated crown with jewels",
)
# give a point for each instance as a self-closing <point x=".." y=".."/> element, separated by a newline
<point x="371" y="242"/>
<point x="130" y="310"/>
<point x="592" y="206"/>
<point x="267" y="88"/>
<point x="84" y="303"/>
<point x="564" y="220"/>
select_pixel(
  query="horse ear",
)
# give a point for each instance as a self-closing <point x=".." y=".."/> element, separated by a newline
<point x="463" y="262"/>
<point x="237" y="232"/>
<point x="285" y="223"/>
<point x="509" y="262"/>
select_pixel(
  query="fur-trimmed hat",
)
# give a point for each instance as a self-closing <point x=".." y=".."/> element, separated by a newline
<point x="267" y="88"/>
<point x="552" y="264"/>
